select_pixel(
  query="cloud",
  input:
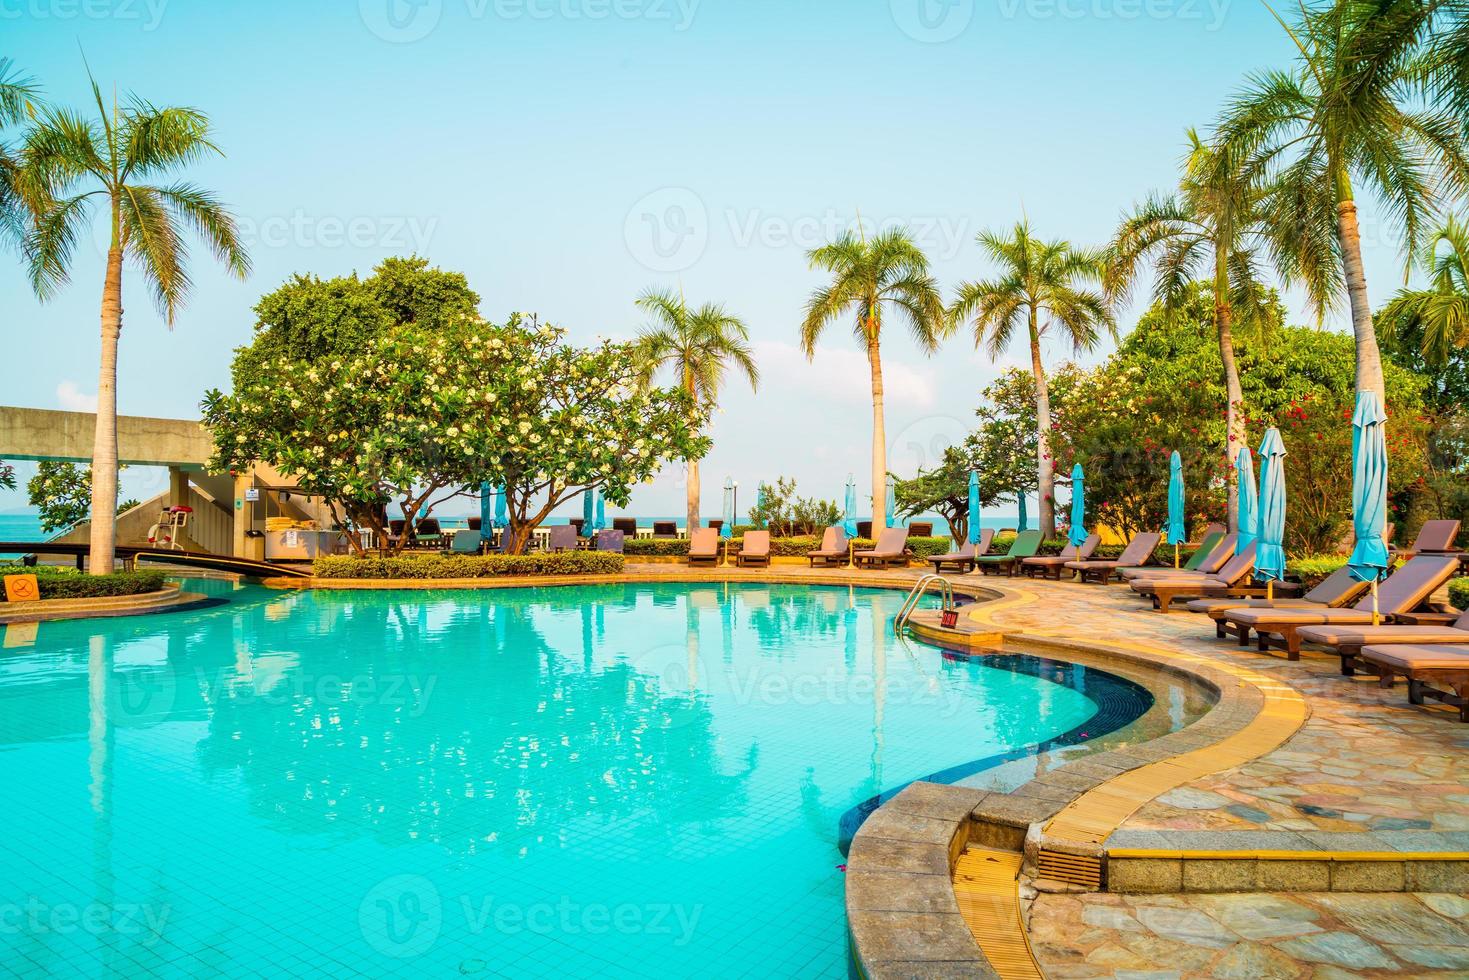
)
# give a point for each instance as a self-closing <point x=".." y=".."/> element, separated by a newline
<point x="73" y="399"/>
<point x="841" y="374"/>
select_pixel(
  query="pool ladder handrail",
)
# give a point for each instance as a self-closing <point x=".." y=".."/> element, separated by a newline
<point x="910" y="604"/>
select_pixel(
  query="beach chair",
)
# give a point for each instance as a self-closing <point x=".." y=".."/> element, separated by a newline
<point x="1232" y="580"/>
<point x="1434" y="538"/>
<point x="665" y="529"/>
<point x="754" y="549"/>
<point x="704" y="547"/>
<point x="891" y="548"/>
<point x="864" y="529"/>
<point x="1137" y="553"/>
<point x="1026" y="544"/>
<point x="1349" y="640"/>
<point x="467" y="542"/>
<point x="920" y="529"/>
<point x="627" y="525"/>
<point x="608" y="539"/>
<point x="1212" y="553"/>
<point x="428" y="534"/>
<point x="1051" y="566"/>
<point x="562" y="537"/>
<point x="1424" y="665"/>
<point x="963" y="558"/>
<point x="1337" y="589"/>
<point x="1402" y="592"/>
<point x="833" y="550"/>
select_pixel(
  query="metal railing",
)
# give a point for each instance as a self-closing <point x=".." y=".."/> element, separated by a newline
<point x="910" y="604"/>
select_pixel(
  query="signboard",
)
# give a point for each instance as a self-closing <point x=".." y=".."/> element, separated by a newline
<point x="22" y="588"/>
<point x="252" y="493"/>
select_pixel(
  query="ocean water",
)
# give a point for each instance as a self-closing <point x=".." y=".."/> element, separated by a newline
<point x="599" y="781"/>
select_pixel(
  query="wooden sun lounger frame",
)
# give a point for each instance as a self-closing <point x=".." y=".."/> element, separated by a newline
<point x="1418" y="678"/>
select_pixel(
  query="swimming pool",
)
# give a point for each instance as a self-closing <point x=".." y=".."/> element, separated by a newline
<point x="641" y="780"/>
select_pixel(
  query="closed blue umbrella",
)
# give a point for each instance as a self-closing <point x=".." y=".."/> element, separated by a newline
<point x="486" y="521"/>
<point x="974" y="507"/>
<point x="1369" y="559"/>
<point x="601" y="522"/>
<point x="890" y="504"/>
<point x="1270" y="525"/>
<point x="1024" y="522"/>
<point x="502" y="509"/>
<point x="1078" y="507"/>
<point x="760" y="504"/>
<point x="849" y="511"/>
<point x="587" y="507"/>
<point x="1175" y="530"/>
<point x="726" y="530"/>
<point x="1249" y="499"/>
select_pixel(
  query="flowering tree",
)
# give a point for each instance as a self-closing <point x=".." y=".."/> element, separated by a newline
<point x="423" y="414"/>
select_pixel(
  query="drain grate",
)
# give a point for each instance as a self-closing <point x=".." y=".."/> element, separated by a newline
<point x="1071" y="868"/>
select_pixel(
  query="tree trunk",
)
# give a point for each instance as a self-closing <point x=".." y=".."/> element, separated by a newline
<point x="1044" y="465"/>
<point x="1369" y="359"/>
<point x="1234" y="437"/>
<point x="879" y="438"/>
<point x="693" y="510"/>
<point x="104" y="446"/>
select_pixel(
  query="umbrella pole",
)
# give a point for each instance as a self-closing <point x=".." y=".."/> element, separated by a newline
<point x="1175" y="554"/>
<point x="1376" y="619"/>
<point x="1270" y="590"/>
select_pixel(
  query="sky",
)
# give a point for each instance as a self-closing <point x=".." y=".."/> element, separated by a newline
<point x="568" y="154"/>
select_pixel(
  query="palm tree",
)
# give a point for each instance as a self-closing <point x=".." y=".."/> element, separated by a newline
<point x="1347" y="115"/>
<point x="890" y="272"/>
<point x="1041" y="284"/>
<point x="1215" y="226"/>
<point x="700" y="345"/>
<point x="17" y="104"/>
<point x="1439" y="313"/>
<point x="71" y="163"/>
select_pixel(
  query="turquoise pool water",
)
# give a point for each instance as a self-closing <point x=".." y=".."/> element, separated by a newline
<point x="640" y="781"/>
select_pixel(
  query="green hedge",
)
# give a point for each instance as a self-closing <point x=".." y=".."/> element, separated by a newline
<point x="68" y="583"/>
<point x="1312" y="569"/>
<point x="1459" y="593"/>
<point x="469" y="566"/>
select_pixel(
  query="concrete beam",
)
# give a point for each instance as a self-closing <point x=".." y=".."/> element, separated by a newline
<point x="39" y="433"/>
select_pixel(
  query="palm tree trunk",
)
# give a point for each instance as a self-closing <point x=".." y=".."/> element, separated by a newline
<point x="104" y="445"/>
<point x="1234" y="435"/>
<point x="879" y="439"/>
<point x="1369" y="359"/>
<point x="693" y="494"/>
<point x="1045" y="466"/>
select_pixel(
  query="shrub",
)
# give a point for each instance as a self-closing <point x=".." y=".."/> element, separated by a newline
<point x="655" y="547"/>
<point x="1459" y="593"/>
<point x="66" y="583"/>
<point x="468" y="566"/>
<point x="1312" y="569"/>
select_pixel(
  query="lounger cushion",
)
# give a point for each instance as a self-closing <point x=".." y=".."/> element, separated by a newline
<point x="1336" y="635"/>
<point x="1213" y="605"/>
<point x="1299" y="617"/>
<point x="1410" y="656"/>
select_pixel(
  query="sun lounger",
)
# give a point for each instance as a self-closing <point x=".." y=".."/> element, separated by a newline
<point x="608" y="539"/>
<point x="1402" y="592"/>
<point x="833" y="550"/>
<point x="1207" y="560"/>
<point x="704" y="547"/>
<point x="1051" y="566"/>
<point x="466" y="542"/>
<point x="665" y="529"/>
<point x="1422" y="664"/>
<point x="1349" y="640"/>
<point x="1434" y="538"/>
<point x="562" y="537"/>
<point x="754" y="549"/>
<point x="963" y="559"/>
<point x="627" y="525"/>
<point x="1337" y="589"/>
<point x="1215" y="531"/>
<point x="920" y="529"/>
<point x="1025" y="545"/>
<point x="1233" y="579"/>
<point x="891" y="548"/>
<point x="1137" y="553"/>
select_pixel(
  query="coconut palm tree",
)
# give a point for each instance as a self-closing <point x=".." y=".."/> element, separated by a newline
<point x="700" y="345"/>
<point x="71" y="166"/>
<point x="1214" y="228"/>
<point x="1041" y="285"/>
<point x="1347" y="116"/>
<point x="1441" y="311"/>
<point x="17" y="104"/>
<point x="870" y="278"/>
